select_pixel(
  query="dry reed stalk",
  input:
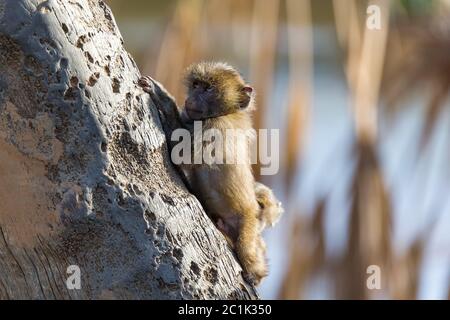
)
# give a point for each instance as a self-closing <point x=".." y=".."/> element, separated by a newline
<point x="299" y="267"/>
<point x="349" y="36"/>
<point x="263" y="45"/>
<point x="369" y="241"/>
<point x="448" y="293"/>
<point x="420" y="61"/>
<point x="406" y="272"/>
<point x="370" y="68"/>
<point x="240" y="30"/>
<point x="300" y="48"/>
<point x="216" y="15"/>
<point x="306" y="253"/>
<point x="318" y="234"/>
<point x="406" y="269"/>
<point x="178" y="44"/>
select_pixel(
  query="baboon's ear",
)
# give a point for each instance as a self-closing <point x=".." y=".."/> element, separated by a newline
<point x="246" y="97"/>
<point x="248" y="90"/>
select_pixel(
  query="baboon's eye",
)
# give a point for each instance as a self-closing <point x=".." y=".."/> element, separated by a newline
<point x="195" y="84"/>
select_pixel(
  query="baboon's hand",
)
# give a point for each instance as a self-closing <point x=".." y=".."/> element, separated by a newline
<point x="147" y="84"/>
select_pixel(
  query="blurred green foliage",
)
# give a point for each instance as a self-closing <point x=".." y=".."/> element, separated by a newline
<point x="418" y="7"/>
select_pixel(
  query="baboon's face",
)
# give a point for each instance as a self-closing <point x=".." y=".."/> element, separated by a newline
<point x="202" y="101"/>
<point x="215" y="90"/>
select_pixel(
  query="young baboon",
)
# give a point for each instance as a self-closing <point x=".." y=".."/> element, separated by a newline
<point x="219" y="98"/>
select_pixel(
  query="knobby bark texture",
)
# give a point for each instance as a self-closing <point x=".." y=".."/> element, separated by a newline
<point x="85" y="174"/>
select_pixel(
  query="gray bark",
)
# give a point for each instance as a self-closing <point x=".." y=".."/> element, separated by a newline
<point x="85" y="175"/>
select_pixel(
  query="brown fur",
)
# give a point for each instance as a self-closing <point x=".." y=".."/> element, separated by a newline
<point x="271" y="208"/>
<point x="228" y="192"/>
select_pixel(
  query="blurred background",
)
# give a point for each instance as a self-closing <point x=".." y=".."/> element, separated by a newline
<point x="364" y="124"/>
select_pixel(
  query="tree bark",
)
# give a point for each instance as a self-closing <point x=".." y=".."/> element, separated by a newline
<point x="85" y="174"/>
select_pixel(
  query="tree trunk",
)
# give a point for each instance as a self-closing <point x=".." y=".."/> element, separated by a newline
<point x="85" y="175"/>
